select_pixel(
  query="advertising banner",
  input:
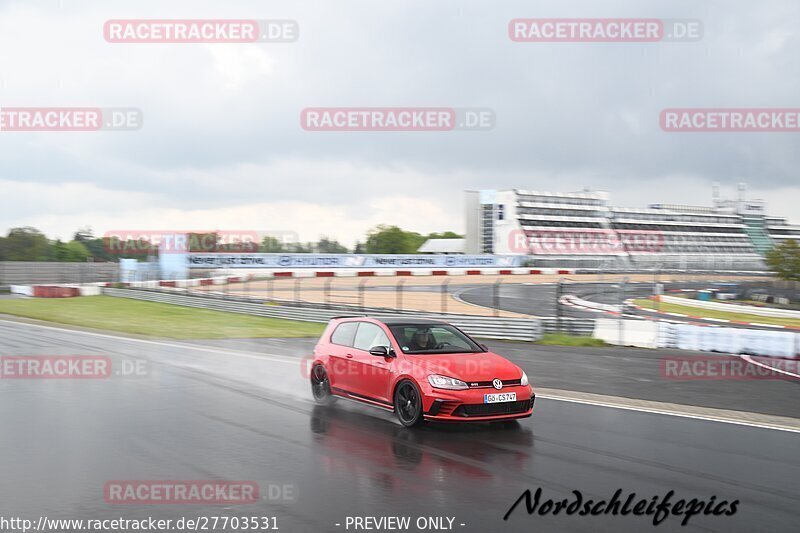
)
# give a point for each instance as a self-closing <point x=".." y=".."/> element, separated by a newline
<point x="240" y="260"/>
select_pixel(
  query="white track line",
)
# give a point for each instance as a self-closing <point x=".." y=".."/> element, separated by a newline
<point x="668" y="413"/>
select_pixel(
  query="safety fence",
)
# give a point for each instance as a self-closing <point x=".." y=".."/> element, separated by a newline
<point x="34" y="272"/>
<point x="488" y="327"/>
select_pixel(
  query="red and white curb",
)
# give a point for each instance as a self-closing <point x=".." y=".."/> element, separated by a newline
<point x="750" y="360"/>
<point x="594" y="307"/>
<point x="721" y="320"/>
<point x="311" y="273"/>
<point x="572" y="300"/>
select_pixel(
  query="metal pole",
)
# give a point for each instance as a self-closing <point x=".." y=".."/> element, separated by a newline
<point x="559" y="292"/>
<point x="622" y="310"/>
<point x="328" y="293"/>
<point x="496" y="297"/>
<point x="297" y="290"/>
<point x="657" y="290"/>
<point x="361" y="294"/>
<point x="399" y="294"/>
<point x="444" y="295"/>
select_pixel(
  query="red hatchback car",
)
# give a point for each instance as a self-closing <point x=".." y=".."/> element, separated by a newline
<point x="420" y="369"/>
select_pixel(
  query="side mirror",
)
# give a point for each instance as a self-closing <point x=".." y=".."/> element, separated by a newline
<point x="484" y="347"/>
<point x="379" y="351"/>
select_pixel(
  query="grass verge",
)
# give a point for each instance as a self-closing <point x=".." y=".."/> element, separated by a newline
<point x="562" y="339"/>
<point x="713" y="313"/>
<point x="155" y="319"/>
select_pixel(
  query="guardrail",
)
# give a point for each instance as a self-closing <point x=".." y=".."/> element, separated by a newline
<point x="525" y="329"/>
<point x="582" y="327"/>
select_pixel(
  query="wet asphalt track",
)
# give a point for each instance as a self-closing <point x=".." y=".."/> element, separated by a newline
<point x="210" y="412"/>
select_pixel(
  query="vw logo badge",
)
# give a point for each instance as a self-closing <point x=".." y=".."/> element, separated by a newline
<point x="497" y="384"/>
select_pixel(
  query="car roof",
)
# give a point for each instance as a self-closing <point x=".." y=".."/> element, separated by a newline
<point x="395" y="320"/>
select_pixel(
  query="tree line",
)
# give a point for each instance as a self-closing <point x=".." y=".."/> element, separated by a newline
<point x="30" y="244"/>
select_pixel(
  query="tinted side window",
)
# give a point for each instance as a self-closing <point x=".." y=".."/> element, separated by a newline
<point x="344" y="333"/>
<point x="369" y="336"/>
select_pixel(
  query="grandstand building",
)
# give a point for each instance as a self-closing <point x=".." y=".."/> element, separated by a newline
<point x="583" y="230"/>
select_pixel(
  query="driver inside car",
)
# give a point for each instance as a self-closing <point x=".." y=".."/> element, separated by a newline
<point x="422" y="340"/>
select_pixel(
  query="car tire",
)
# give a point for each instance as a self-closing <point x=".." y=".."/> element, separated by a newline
<point x="321" y="385"/>
<point x="408" y="404"/>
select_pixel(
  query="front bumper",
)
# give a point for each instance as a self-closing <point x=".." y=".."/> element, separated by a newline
<point x="468" y="406"/>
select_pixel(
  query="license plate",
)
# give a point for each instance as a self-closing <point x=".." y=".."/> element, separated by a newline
<point x="500" y="397"/>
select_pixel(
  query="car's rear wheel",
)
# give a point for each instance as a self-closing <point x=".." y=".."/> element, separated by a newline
<point x="321" y="385"/>
<point x="408" y="404"/>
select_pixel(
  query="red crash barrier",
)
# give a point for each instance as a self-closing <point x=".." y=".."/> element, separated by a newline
<point x="55" y="291"/>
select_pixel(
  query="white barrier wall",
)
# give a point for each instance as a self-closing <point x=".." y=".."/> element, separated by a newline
<point x="25" y="290"/>
<point x="732" y="308"/>
<point x="729" y="340"/>
<point x="651" y="334"/>
<point x="642" y="333"/>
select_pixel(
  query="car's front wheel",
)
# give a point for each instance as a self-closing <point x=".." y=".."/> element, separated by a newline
<point x="408" y="404"/>
<point x="321" y="385"/>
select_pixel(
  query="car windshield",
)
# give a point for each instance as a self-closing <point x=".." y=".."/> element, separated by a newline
<point x="432" y="338"/>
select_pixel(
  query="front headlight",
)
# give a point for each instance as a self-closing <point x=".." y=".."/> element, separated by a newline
<point x="524" y="380"/>
<point x="444" y="382"/>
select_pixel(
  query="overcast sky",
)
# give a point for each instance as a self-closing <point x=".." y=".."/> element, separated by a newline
<point x="222" y="147"/>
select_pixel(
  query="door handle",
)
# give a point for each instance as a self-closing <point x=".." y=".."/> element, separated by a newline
<point x="349" y="356"/>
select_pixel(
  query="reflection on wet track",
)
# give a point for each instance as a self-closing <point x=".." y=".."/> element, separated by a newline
<point x="437" y="452"/>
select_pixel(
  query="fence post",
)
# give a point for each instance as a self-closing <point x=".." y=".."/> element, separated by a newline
<point x="496" y="297"/>
<point x="559" y="293"/>
<point x="297" y="290"/>
<point x="361" y="286"/>
<point x="270" y="281"/>
<point x="399" y="294"/>
<point x="621" y="321"/>
<point x="658" y="289"/>
<point x="445" y="284"/>
<point x="327" y="292"/>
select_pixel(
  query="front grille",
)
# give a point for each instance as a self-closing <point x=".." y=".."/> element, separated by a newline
<point x="490" y="409"/>
<point x="488" y="384"/>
